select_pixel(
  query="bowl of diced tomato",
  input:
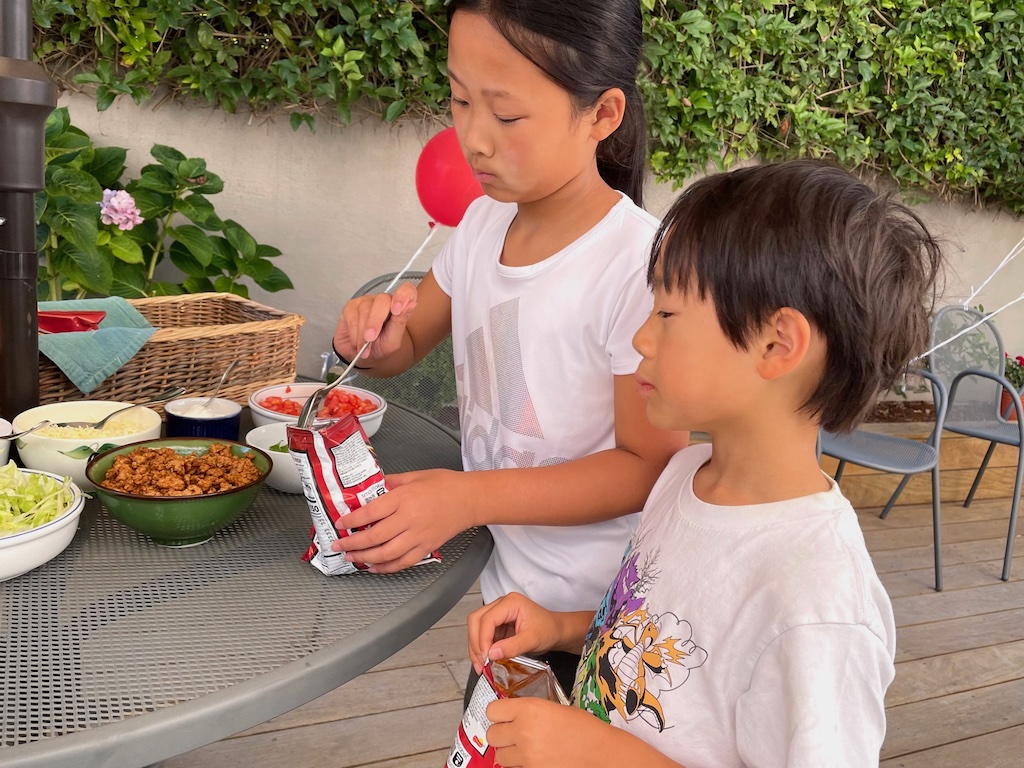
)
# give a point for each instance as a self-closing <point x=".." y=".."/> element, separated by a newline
<point x="283" y="403"/>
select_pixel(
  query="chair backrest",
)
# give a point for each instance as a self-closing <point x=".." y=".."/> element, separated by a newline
<point x="428" y="387"/>
<point x="975" y="346"/>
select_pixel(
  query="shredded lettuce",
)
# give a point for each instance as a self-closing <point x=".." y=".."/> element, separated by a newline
<point x="28" y="499"/>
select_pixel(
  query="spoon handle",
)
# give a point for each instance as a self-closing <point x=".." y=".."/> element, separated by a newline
<point x="165" y="395"/>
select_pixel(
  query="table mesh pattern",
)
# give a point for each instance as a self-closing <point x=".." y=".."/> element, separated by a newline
<point x="116" y="626"/>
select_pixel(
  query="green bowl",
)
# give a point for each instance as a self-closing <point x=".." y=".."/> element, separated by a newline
<point x="178" y="521"/>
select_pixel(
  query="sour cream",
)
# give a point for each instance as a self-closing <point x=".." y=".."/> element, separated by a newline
<point x="196" y="408"/>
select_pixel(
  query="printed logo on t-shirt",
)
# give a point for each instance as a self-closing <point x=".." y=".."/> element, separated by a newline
<point x="633" y="654"/>
<point x="494" y="354"/>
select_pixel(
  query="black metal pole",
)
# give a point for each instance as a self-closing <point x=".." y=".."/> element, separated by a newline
<point x="26" y="98"/>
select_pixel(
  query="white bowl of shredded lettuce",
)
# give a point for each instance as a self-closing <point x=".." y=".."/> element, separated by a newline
<point x="39" y="514"/>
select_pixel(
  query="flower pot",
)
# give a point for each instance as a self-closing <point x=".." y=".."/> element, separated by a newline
<point x="1005" y="402"/>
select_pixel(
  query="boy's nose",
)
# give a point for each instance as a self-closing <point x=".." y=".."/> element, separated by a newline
<point x="641" y="339"/>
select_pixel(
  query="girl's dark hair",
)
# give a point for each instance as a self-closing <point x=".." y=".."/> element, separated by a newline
<point x="859" y="265"/>
<point x="586" y="48"/>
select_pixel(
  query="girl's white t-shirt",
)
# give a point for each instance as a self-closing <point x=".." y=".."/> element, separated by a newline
<point x="535" y="351"/>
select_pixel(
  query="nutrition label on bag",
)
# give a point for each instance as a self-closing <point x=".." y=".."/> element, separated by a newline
<point x="355" y="464"/>
<point x="471" y="749"/>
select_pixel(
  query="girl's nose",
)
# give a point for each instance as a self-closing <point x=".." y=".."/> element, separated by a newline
<point x="472" y="135"/>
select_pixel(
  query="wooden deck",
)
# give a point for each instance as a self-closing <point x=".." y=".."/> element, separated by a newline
<point x="957" y="700"/>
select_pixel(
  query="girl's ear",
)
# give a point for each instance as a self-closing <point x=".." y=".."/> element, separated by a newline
<point x="784" y="344"/>
<point x="607" y="113"/>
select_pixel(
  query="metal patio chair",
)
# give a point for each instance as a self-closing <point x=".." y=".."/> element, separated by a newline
<point x="899" y="455"/>
<point x="971" y="367"/>
<point x="428" y="387"/>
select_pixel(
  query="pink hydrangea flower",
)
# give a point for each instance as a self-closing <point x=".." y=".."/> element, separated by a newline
<point x="119" y="208"/>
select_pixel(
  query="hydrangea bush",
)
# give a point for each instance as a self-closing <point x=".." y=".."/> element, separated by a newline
<point x="99" y="235"/>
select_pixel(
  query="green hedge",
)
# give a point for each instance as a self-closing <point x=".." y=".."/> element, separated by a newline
<point x="928" y="94"/>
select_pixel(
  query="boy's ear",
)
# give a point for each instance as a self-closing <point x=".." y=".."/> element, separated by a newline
<point x="784" y="343"/>
<point x="607" y="113"/>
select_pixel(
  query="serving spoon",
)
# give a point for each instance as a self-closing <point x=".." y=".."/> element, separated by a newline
<point x="312" y="406"/>
<point x="33" y="428"/>
<point x="165" y="395"/>
<point x="224" y="377"/>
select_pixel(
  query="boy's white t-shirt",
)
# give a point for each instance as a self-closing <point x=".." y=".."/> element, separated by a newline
<point x="535" y="350"/>
<point x="755" y="636"/>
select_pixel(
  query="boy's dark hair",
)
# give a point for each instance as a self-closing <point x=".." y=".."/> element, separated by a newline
<point x="586" y="48"/>
<point x="859" y="265"/>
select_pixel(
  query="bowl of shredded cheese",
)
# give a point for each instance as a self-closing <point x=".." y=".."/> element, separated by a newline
<point x="67" y="450"/>
<point x="39" y="514"/>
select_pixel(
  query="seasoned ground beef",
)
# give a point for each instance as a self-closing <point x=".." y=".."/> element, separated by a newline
<point x="162" y="472"/>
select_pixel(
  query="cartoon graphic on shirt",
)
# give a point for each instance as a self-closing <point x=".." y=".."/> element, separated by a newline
<point x="631" y="655"/>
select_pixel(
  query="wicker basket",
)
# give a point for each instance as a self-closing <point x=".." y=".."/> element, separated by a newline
<point x="198" y="336"/>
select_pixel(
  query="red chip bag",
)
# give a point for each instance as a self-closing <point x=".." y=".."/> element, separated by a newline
<point x="339" y="473"/>
<point x="504" y="679"/>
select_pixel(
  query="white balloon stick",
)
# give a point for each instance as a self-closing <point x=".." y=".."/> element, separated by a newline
<point x="1006" y="260"/>
<point x="987" y="316"/>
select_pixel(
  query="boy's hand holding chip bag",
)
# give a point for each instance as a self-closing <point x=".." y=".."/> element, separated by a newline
<point x="535" y="733"/>
<point x="514" y="625"/>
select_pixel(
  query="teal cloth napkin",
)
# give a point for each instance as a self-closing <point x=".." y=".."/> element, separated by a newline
<point x="89" y="357"/>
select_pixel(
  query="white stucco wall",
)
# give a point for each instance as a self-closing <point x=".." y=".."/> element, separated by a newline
<point x="342" y="205"/>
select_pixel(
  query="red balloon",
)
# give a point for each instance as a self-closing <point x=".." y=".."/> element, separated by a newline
<point x="444" y="181"/>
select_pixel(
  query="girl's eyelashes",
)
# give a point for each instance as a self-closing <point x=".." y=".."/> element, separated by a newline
<point x="508" y="120"/>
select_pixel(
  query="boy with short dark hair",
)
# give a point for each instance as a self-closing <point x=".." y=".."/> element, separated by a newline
<point x="746" y="626"/>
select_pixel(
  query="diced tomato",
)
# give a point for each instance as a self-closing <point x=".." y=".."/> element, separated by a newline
<point x="337" y="404"/>
<point x="280" y="405"/>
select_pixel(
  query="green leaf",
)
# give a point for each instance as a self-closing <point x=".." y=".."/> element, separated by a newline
<point x="74" y="221"/>
<point x="125" y="249"/>
<point x="129" y="281"/>
<point x="199" y="211"/>
<point x="257" y="269"/>
<point x="191" y="168"/>
<point x="76" y="185"/>
<point x="160" y="288"/>
<point x="197" y="241"/>
<point x="394" y="109"/>
<point x="183" y="259"/>
<point x="107" y="165"/>
<point x="168" y="157"/>
<point x="227" y="285"/>
<point x="240" y="240"/>
<point x="211" y="186"/>
<point x="56" y="123"/>
<point x="157" y="179"/>
<point x="298" y="119"/>
<point x="88" y="268"/>
<point x="266" y="251"/>
<point x="277" y="280"/>
<point x="151" y="204"/>
<point x="198" y="285"/>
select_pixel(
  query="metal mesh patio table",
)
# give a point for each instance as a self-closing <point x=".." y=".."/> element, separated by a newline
<point x="122" y="653"/>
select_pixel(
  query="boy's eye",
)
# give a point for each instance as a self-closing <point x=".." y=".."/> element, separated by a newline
<point x="457" y="102"/>
<point x="508" y="120"/>
<point x="664" y="315"/>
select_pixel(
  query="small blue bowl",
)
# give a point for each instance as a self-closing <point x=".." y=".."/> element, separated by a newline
<point x="222" y="423"/>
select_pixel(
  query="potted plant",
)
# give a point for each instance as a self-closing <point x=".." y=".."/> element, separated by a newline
<point x="1013" y="370"/>
<point x="101" y="236"/>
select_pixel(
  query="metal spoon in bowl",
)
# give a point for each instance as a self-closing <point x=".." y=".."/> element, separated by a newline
<point x="165" y="395"/>
<point x="33" y="428"/>
<point x="224" y="377"/>
<point x="312" y="406"/>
